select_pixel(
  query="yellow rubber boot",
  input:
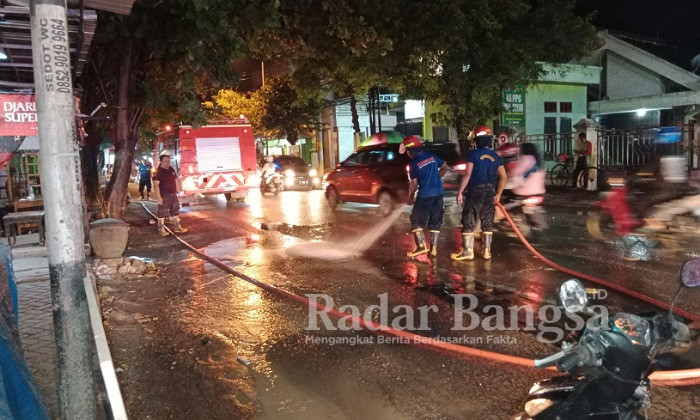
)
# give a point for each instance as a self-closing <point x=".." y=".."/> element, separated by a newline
<point x="161" y="227"/>
<point x="488" y="238"/>
<point x="467" y="253"/>
<point x="421" y="249"/>
<point x="434" y="234"/>
<point x="178" y="228"/>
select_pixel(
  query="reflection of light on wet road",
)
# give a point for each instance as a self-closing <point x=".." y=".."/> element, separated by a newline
<point x="254" y="299"/>
<point x="291" y="207"/>
<point x="255" y="255"/>
<point x="255" y="204"/>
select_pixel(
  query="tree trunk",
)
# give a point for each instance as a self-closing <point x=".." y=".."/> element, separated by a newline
<point x="462" y="138"/>
<point x="91" y="176"/>
<point x="124" y="145"/>
<point x="353" y="112"/>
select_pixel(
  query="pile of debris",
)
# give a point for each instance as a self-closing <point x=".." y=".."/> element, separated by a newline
<point x="124" y="266"/>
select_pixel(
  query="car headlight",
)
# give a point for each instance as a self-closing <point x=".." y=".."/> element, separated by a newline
<point x="313" y="172"/>
<point x="289" y="173"/>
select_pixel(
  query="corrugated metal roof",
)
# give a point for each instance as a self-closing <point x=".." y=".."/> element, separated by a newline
<point x="15" y="40"/>
<point x="117" y="6"/>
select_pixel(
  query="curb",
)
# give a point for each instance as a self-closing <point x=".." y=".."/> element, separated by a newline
<point x="116" y="407"/>
<point x="30" y="251"/>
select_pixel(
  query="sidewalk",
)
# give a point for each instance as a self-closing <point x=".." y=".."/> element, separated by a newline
<point x="31" y="267"/>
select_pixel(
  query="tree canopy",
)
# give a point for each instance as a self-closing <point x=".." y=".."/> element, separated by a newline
<point x="460" y="53"/>
<point x="276" y="110"/>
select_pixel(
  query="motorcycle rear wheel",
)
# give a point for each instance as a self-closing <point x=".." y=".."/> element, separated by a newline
<point x="600" y="226"/>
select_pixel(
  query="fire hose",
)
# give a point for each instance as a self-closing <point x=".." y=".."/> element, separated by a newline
<point x="593" y="279"/>
<point x="668" y="378"/>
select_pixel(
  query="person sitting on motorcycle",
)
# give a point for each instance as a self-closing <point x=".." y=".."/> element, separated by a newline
<point x="527" y="177"/>
<point x="268" y="170"/>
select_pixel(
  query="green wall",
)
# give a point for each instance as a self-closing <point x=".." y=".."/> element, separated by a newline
<point x="540" y="93"/>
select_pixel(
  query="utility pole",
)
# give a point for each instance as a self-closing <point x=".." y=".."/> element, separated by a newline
<point x="379" y="111"/>
<point x="60" y="178"/>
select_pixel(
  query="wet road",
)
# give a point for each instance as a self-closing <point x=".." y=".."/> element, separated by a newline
<point x="267" y="363"/>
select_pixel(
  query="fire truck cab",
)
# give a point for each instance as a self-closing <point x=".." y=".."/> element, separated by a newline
<point x="213" y="159"/>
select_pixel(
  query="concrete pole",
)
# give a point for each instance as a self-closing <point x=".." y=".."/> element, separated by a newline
<point x="60" y="178"/>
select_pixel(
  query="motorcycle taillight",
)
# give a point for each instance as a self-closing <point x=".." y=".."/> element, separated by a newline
<point x="533" y="201"/>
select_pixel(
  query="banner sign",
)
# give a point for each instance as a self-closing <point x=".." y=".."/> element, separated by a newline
<point x="18" y="115"/>
<point x="514" y="107"/>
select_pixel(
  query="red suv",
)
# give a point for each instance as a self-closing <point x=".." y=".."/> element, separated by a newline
<point x="377" y="174"/>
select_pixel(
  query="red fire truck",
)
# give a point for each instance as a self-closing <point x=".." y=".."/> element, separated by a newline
<point x="213" y="159"/>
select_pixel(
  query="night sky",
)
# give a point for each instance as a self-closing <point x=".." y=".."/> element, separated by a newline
<point x="674" y="22"/>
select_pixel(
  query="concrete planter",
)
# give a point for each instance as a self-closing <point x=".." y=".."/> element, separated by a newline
<point x="108" y="238"/>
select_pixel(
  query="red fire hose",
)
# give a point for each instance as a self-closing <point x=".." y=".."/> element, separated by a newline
<point x="668" y="378"/>
<point x="616" y="287"/>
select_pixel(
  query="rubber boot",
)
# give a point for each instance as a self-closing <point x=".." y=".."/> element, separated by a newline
<point x="161" y="227"/>
<point x="177" y="228"/>
<point x="467" y="253"/>
<point x="488" y="238"/>
<point x="419" y="237"/>
<point x="433" y="242"/>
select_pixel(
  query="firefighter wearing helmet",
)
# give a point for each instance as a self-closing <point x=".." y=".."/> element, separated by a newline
<point x="481" y="188"/>
<point x="166" y="185"/>
<point x="425" y="193"/>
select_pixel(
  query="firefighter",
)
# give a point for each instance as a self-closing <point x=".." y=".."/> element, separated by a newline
<point x="484" y="180"/>
<point x="425" y="171"/>
<point x="165" y="186"/>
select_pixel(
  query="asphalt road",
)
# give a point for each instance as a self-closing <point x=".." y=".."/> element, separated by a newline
<point x="218" y="347"/>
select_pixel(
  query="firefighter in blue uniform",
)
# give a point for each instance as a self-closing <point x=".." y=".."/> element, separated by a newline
<point x="425" y="171"/>
<point x="484" y="180"/>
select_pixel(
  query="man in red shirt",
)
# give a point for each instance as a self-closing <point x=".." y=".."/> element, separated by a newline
<point x="165" y="185"/>
<point x="582" y="150"/>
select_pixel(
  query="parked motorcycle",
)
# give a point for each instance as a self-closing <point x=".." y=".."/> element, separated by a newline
<point x="608" y="368"/>
<point x="271" y="183"/>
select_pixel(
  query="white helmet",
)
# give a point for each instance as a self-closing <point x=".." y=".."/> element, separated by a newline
<point x="165" y="153"/>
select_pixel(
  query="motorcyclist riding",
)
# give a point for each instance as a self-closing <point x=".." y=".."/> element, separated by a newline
<point x="527" y="177"/>
<point x="268" y="170"/>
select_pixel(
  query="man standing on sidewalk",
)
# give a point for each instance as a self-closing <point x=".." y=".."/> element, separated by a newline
<point x="583" y="151"/>
<point x="166" y="188"/>
<point x="426" y="171"/>
<point x="484" y="180"/>
<point x="145" y="179"/>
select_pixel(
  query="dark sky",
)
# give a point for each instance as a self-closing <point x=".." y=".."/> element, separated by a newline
<point x="675" y="22"/>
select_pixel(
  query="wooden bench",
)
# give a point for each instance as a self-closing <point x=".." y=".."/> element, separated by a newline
<point x="13" y="220"/>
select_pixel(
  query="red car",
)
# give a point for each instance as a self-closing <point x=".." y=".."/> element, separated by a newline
<point x="377" y="174"/>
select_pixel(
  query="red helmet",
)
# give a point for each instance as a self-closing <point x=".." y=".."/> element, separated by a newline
<point x="410" y="142"/>
<point x="508" y="150"/>
<point x="482" y="130"/>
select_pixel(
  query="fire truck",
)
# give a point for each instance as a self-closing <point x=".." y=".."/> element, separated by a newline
<point x="212" y="159"/>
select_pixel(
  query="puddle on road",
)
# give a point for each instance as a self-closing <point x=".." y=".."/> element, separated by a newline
<point x="350" y="248"/>
<point x="227" y="249"/>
